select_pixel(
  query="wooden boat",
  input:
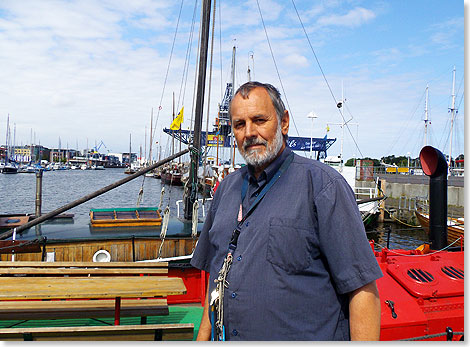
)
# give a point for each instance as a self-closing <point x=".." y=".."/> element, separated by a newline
<point x="455" y="226"/>
<point x="125" y="217"/>
<point x="172" y="178"/>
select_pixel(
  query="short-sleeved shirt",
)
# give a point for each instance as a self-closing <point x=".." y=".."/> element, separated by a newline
<point x="299" y="254"/>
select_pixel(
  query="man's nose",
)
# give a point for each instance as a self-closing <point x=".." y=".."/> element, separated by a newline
<point x="250" y="130"/>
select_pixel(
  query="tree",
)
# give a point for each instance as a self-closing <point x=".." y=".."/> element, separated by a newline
<point x="350" y="162"/>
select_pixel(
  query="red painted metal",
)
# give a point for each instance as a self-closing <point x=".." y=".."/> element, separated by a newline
<point x="426" y="300"/>
<point x="117" y="311"/>
<point x="195" y="287"/>
<point x="424" y="304"/>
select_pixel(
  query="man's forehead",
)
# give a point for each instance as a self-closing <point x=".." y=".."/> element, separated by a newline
<point x="257" y="97"/>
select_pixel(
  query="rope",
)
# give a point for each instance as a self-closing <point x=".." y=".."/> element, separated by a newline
<point x="408" y="225"/>
<point x="195" y="220"/>
<point x="141" y="193"/>
<point x="422" y="255"/>
<point x="431" y="336"/>
<point x="184" y="77"/>
<point x="161" y="198"/>
<point x="277" y="70"/>
<point x="324" y="77"/>
<point x="166" y="219"/>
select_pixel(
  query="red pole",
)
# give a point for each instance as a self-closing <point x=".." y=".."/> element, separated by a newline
<point x="117" y="311"/>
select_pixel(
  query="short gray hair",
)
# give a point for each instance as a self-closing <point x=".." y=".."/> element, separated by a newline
<point x="245" y="89"/>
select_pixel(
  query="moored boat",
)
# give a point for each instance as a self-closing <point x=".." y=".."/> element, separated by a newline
<point x="455" y="226"/>
<point x="138" y="216"/>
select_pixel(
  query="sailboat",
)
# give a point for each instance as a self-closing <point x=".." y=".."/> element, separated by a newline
<point x="8" y="167"/>
<point x="130" y="169"/>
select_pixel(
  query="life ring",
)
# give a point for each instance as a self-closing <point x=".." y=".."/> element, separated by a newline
<point x="102" y="256"/>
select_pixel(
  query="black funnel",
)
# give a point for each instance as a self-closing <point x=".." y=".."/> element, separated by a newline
<point x="434" y="165"/>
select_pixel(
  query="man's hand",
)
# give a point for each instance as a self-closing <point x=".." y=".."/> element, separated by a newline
<point x="364" y="313"/>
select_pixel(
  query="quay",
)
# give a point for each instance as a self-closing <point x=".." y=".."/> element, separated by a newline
<point x="406" y="192"/>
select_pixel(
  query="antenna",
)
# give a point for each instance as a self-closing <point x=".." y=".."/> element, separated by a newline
<point x="452" y="110"/>
<point x="426" y="120"/>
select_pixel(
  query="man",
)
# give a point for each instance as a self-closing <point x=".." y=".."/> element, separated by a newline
<point x="302" y="268"/>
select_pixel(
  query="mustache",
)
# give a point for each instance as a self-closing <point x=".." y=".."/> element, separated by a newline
<point x="254" y="141"/>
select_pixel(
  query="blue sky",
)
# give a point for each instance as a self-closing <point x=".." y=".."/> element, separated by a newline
<point x="93" y="70"/>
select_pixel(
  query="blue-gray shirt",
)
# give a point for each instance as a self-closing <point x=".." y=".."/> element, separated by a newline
<point x="299" y="254"/>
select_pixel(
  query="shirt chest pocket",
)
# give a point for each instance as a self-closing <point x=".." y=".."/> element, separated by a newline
<point x="291" y="244"/>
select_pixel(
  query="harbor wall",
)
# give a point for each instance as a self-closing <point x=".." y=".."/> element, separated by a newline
<point x="396" y="190"/>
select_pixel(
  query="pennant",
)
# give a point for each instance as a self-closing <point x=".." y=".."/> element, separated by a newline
<point x="176" y="124"/>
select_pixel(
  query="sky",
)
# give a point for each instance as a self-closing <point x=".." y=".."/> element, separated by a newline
<point x="88" y="72"/>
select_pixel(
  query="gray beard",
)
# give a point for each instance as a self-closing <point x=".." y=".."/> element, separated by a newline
<point x="255" y="159"/>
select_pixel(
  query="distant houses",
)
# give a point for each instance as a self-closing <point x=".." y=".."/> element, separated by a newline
<point x="36" y="153"/>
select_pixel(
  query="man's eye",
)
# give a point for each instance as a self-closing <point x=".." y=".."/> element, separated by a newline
<point x="238" y="125"/>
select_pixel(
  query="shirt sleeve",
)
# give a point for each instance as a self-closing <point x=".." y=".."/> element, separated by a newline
<point x="342" y="237"/>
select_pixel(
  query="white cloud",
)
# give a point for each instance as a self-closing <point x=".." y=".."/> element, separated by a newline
<point x="296" y="60"/>
<point x="353" y="18"/>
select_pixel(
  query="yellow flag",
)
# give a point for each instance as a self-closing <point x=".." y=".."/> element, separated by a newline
<point x="176" y="124"/>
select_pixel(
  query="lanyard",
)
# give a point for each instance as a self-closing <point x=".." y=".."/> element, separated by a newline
<point x="282" y="169"/>
<point x="218" y="328"/>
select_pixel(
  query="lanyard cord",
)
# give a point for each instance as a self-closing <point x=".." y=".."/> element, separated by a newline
<point x="282" y="169"/>
<point x="218" y="330"/>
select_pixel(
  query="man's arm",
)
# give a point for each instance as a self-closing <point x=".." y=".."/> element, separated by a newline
<point x="364" y="313"/>
<point x="204" y="333"/>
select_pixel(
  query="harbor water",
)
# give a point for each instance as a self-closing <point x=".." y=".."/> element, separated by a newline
<point x="18" y="192"/>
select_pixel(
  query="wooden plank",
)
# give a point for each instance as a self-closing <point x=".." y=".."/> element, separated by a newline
<point x="20" y="288"/>
<point x="57" y="264"/>
<point x="26" y="310"/>
<point x="83" y="271"/>
<point x="16" y="246"/>
<point x="13" y="221"/>
<point x="102" y="333"/>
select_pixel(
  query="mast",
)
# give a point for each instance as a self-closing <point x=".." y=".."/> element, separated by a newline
<point x="130" y="140"/>
<point x="232" y="153"/>
<point x="191" y="195"/>
<point x="14" y="141"/>
<point x="6" y="140"/>
<point x="151" y="137"/>
<point x="173" y="118"/>
<point x="452" y="110"/>
<point x="342" y="127"/>
<point x="426" y="120"/>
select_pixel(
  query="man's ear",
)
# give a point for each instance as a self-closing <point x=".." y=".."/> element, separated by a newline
<point x="285" y="123"/>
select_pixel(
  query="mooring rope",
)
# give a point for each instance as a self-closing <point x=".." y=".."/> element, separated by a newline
<point x="421" y="255"/>
<point x="166" y="219"/>
<point x="162" y="195"/>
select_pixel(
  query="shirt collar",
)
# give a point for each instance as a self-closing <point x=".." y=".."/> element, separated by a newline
<point x="272" y="168"/>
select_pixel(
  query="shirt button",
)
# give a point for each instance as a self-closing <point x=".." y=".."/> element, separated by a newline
<point x="239" y="258"/>
<point x="234" y="295"/>
<point x="247" y="223"/>
<point x="234" y="332"/>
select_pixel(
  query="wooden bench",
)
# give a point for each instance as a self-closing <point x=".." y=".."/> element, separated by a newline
<point x="150" y="332"/>
<point x="65" y="309"/>
<point x="143" y="287"/>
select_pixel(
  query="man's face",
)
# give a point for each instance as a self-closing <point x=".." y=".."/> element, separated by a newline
<point x="256" y="127"/>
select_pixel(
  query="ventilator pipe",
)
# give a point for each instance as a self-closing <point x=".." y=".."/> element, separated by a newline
<point x="434" y="165"/>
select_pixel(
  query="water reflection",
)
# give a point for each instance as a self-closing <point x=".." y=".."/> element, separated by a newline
<point x="392" y="235"/>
